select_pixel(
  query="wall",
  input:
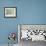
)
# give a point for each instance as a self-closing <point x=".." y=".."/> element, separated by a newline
<point x="28" y="12"/>
<point x="33" y="12"/>
<point x="33" y="27"/>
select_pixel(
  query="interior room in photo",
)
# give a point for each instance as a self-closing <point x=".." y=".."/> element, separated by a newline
<point x="33" y="33"/>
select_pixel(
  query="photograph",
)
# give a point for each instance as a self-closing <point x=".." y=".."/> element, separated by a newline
<point x="10" y="12"/>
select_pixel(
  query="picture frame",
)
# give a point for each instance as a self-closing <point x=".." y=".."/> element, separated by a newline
<point x="10" y="12"/>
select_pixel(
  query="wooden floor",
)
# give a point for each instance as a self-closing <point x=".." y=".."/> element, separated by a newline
<point x="30" y="43"/>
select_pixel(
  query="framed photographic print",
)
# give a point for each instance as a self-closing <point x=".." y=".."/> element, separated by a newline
<point x="10" y="12"/>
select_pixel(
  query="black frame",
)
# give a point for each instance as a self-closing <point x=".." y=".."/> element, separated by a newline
<point x="10" y="17"/>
